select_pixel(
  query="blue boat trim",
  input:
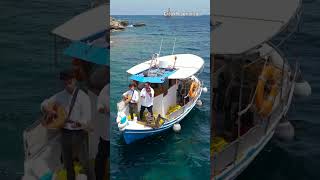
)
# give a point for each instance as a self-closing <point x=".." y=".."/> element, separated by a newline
<point x="134" y="135"/>
<point x="140" y="77"/>
<point x="88" y="53"/>
<point x="249" y="155"/>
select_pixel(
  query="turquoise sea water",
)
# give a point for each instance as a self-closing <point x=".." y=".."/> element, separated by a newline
<point x="170" y="155"/>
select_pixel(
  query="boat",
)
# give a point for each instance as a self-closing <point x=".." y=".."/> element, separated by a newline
<point x="82" y="37"/>
<point x="169" y="13"/>
<point x="253" y="82"/>
<point x="168" y="75"/>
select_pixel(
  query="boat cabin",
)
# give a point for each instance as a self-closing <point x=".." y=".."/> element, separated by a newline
<point x="168" y="93"/>
<point x="173" y="80"/>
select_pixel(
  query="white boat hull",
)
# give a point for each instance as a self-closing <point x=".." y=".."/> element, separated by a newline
<point x="134" y="134"/>
<point x="255" y="139"/>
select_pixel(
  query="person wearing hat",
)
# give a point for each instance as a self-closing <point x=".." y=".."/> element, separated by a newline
<point x="77" y="106"/>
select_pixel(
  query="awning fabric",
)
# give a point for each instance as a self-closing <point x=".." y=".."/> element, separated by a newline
<point x="88" y="53"/>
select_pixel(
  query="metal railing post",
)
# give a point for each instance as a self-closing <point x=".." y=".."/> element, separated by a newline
<point x="55" y="51"/>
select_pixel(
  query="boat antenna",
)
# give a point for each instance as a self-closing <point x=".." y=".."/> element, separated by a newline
<point x="160" y="46"/>
<point x="174" y="45"/>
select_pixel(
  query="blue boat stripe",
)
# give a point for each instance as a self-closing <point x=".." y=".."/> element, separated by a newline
<point x="248" y="155"/>
<point x="134" y="135"/>
<point x="165" y="126"/>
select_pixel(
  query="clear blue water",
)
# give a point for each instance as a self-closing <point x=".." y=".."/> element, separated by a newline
<point x="170" y="155"/>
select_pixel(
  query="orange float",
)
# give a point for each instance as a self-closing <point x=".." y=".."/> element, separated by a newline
<point x="193" y="89"/>
<point x="264" y="103"/>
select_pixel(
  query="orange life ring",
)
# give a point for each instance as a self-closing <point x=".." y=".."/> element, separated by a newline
<point x="193" y="89"/>
<point x="263" y="104"/>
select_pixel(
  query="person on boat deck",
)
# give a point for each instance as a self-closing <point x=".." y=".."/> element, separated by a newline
<point x="74" y="135"/>
<point x="101" y="161"/>
<point x="137" y="85"/>
<point x="147" y="96"/>
<point x="133" y="96"/>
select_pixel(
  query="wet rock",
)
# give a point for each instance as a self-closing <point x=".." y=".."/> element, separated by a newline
<point x="117" y="24"/>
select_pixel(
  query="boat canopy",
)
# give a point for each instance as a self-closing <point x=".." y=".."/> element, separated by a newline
<point x="240" y="26"/>
<point x="90" y="53"/>
<point x="183" y="65"/>
<point x="156" y="75"/>
<point x="85" y="25"/>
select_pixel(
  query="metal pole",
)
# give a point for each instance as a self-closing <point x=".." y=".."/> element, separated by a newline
<point x="213" y="99"/>
<point x="174" y="45"/>
<point x="282" y="79"/>
<point x="239" y="116"/>
<point x="160" y="46"/>
<point x="240" y="100"/>
<point x="185" y="92"/>
<point x="55" y="56"/>
<point x="267" y="125"/>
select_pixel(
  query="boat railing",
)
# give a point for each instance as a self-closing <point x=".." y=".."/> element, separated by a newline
<point x="251" y="104"/>
<point x="223" y="159"/>
<point x="183" y="109"/>
<point x="243" y="111"/>
<point x="236" y="150"/>
<point x="180" y="111"/>
<point x="176" y="114"/>
<point x="186" y="106"/>
<point x="291" y="28"/>
<point x="249" y="139"/>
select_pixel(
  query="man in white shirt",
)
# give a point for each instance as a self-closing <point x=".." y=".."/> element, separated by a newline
<point x="74" y="136"/>
<point x="147" y="96"/>
<point x="102" y="156"/>
<point x="133" y="96"/>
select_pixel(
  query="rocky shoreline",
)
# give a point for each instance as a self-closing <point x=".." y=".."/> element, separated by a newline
<point x="116" y="25"/>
